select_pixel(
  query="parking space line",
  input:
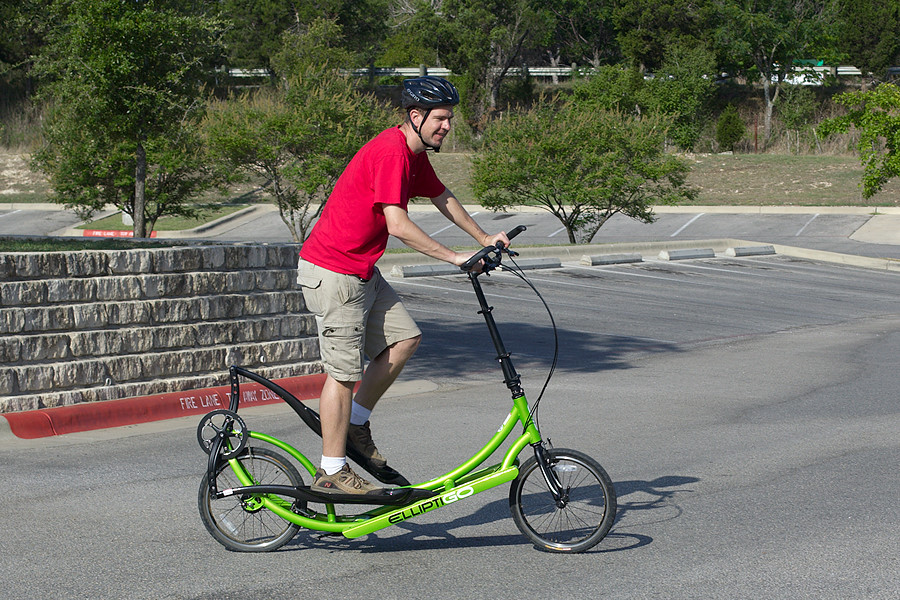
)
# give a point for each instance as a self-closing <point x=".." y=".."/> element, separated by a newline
<point x="806" y="225"/>
<point x="10" y="213"/>
<point x="442" y="229"/>
<point x="685" y="226"/>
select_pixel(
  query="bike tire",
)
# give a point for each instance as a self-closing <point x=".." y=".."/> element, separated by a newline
<point x="587" y="515"/>
<point x="238" y="522"/>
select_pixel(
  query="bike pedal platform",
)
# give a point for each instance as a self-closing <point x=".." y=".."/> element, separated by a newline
<point x="390" y="497"/>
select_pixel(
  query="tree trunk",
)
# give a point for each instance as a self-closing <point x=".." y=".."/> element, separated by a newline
<point x="770" y="107"/>
<point x="140" y="184"/>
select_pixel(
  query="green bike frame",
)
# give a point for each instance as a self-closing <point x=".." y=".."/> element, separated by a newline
<point x="458" y="484"/>
<point x="462" y="482"/>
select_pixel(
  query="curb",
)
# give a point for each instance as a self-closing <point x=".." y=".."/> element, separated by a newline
<point x="89" y="416"/>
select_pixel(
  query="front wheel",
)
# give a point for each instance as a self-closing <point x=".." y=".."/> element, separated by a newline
<point x="241" y="523"/>
<point x="582" y="517"/>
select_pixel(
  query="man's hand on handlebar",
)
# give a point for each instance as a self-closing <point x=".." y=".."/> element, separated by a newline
<point x="497" y="242"/>
<point x="492" y="240"/>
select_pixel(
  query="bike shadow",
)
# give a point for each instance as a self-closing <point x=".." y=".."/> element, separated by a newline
<point x="645" y="503"/>
<point x="447" y="348"/>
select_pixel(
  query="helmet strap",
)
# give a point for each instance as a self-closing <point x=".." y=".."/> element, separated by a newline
<point x="417" y="129"/>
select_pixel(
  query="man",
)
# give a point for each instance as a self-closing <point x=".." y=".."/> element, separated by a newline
<point x="357" y="312"/>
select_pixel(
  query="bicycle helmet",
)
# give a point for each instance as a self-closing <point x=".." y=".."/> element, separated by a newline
<point x="427" y="92"/>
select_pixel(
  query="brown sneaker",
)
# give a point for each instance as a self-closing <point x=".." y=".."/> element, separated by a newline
<point x="344" y="481"/>
<point x="360" y="437"/>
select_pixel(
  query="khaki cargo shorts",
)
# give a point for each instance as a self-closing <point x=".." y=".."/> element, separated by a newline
<point x="355" y="318"/>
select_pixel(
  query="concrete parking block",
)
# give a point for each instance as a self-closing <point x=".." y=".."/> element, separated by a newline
<point x="610" y="259"/>
<point x="750" y="250"/>
<point x="687" y="253"/>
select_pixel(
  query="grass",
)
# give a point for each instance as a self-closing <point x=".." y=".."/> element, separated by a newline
<point x="739" y="179"/>
<point x="783" y="180"/>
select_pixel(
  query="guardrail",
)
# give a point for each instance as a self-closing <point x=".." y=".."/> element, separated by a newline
<point x="840" y="71"/>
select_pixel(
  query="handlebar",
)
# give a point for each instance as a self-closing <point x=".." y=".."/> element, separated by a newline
<point x="498" y="248"/>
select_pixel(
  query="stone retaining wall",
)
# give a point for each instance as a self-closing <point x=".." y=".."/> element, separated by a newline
<point x="105" y="324"/>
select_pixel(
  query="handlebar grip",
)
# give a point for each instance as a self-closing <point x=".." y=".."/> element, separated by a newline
<point x="473" y="260"/>
<point x="467" y="266"/>
<point x="519" y="229"/>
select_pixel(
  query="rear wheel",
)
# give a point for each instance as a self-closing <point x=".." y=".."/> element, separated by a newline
<point x="582" y="517"/>
<point x="241" y="523"/>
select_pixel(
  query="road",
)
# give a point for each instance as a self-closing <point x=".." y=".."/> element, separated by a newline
<point x="746" y="410"/>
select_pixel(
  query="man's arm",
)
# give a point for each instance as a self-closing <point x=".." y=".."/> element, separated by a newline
<point x="401" y="227"/>
<point x="454" y="211"/>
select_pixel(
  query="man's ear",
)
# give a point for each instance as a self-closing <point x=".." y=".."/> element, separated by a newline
<point x="418" y="115"/>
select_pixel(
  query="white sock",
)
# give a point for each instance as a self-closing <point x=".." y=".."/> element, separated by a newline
<point x="332" y="464"/>
<point x="359" y="414"/>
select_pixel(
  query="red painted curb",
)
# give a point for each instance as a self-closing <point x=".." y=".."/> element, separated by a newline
<point x="130" y="411"/>
<point x="111" y="233"/>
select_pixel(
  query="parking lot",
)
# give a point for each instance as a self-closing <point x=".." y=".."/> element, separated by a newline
<point x="745" y="409"/>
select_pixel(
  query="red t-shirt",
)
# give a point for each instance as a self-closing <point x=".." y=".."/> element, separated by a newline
<point x="351" y="235"/>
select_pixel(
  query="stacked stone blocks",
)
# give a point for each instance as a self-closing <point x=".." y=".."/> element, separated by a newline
<point x="98" y="325"/>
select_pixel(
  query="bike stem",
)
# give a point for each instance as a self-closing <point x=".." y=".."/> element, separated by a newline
<point x="513" y="381"/>
<point x="510" y="377"/>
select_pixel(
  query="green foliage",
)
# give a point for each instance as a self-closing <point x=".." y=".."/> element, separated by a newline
<point x="610" y="87"/>
<point x="867" y="32"/>
<point x="125" y="81"/>
<point x="762" y="39"/>
<point x="542" y="157"/>
<point x="257" y="27"/>
<point x="730" y="129"/>
<point x="299" y="139"/>
<point x="875" y="114"/>
<point x="644" y="29"/>
<point x="319" y="46"/>
<point x="680" y="90"/>
<point x="480" y="40"/>
<point x="583" y="32"/>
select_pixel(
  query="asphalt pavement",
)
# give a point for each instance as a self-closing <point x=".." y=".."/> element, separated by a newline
<point x="745" y="408"/>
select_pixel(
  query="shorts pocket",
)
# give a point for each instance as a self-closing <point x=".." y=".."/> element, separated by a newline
<point x="308" y="282"/>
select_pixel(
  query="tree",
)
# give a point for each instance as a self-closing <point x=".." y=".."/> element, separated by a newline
<point x="481" y="40"/>
<point x="540" y="157"/>
<point x="868" y="33"/>
<point x="255" y="34"/>
<point x="301" y="135"/>
<point x="682" y="88"/>
<point x="796" y="110"/>
<point x="875" y="114"/>
<point x="763" y="37"/>
<point x="258" y="26"/>
<point x="126" y="81"/>
<point x="583" y="33"/>
<point x="644" y="29"/>
<point x="730" y="129"/>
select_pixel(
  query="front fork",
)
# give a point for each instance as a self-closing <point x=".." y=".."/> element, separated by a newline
<point x="560" y="495"/>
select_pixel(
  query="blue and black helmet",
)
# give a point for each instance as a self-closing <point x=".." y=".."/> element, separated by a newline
<point x="428" y="92"/>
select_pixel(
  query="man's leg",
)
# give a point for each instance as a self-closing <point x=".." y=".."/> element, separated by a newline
<point x="383" y="371"/>
<point x="334" y="413"/>
<point x="378" y="377"/>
